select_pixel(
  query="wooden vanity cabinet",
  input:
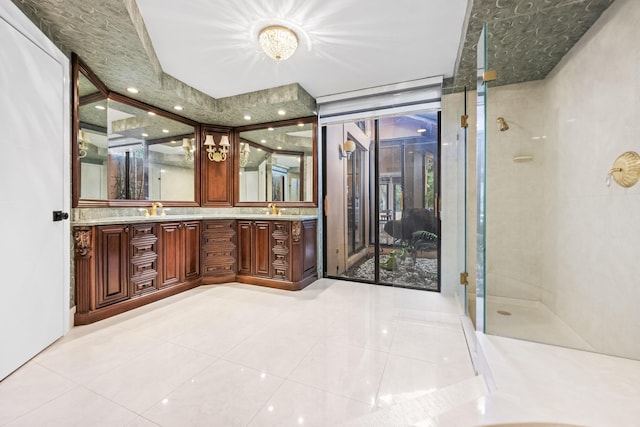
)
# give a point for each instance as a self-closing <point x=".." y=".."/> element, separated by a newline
<point x="124" y="266"/>
<point x="180" y="252"/>
<point x="278" y="254"/>
<point x="218" y="251"/>
<point x="112" y="280"/>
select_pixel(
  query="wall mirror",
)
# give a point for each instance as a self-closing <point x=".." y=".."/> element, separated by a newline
<point x="276" y="163"/>
<point x="128" y="152"/>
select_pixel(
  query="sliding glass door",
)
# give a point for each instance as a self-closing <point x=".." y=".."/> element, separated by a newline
<point x="381" y="200"/>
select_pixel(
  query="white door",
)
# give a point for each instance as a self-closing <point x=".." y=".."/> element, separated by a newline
<point x="33" y="174"/>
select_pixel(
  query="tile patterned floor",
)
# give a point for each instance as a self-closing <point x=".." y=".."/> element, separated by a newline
<point x="336" y="353"/>
<point x="240" y="355"/>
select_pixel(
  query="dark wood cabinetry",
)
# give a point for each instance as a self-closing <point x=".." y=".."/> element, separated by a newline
<point x="143" y="258"/>
<point x="180" y="257"/>
<point x="112" y="284"/>
<point x="120" y="267"/>
<point x="277" y="253"/>
<point x="218" y="251"/>
<point x="132" y="265"/>
<point x="191" y="254"/>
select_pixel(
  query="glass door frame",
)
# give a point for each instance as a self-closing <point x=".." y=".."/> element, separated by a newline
<point x="375" y="209"/>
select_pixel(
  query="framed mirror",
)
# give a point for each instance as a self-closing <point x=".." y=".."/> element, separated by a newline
<point x="276" y="162"/>
<point x="128" y="153"/>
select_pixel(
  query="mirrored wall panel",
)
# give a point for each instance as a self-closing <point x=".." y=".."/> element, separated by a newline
<point x="130" y="151"/>
<point x="276" y="164"/>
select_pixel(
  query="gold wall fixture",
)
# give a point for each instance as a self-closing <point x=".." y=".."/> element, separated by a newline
<point x="215" y="154"/>
<point x="503" y="124"/>
<point x="626" y="170"/>
<point x="489" y="76"/>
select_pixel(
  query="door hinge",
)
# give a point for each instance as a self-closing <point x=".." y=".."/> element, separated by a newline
<point x="464" y="121"/>
<point x="489" y="76"/>
<point x="464" y="279"/>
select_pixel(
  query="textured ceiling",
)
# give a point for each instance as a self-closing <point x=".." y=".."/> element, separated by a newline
<point x="525" y="38"/>
<point x="110" y="36"/>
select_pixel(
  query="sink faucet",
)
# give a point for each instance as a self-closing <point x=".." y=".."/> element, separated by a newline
<point x="154" y="208"/>
<point x="273" y="208"/>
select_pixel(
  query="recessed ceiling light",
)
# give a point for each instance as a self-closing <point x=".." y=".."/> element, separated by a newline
<point x="421" y="130"/>
<point x="174" y="142"/>
<point x="259" y="149"/>
<point x="247" y="117"/>
<point x="145" y="134"/>
<point x="165" y="130"/>
<point x="132" y="90"/>
<point x="281" y="112"/>
<point x="151" y="113"/>
<point x="279" y="148"/>
<point x="263" y="140"/>
<point x="178" y="107"/>
<point x="300" y="124"/>
<point x="100" y="107"/>
<point x="269" y="128"/>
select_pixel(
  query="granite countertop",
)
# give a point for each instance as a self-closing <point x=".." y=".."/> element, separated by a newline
<point x="191" y="217"/>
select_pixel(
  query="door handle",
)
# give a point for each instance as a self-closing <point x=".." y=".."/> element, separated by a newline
<point x="59" y="215"/>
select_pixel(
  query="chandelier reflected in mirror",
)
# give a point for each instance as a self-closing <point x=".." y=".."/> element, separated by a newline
<point x="278" y="42"/>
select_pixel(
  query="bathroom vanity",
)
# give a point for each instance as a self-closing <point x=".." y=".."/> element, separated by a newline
<point x="124" y="263"/>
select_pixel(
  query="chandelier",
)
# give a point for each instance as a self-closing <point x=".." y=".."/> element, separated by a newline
<point x="278" y="42"/>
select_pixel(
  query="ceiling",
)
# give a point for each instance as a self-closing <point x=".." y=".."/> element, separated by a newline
<point x="344" y="45"/>
<point x="204" y="56"/>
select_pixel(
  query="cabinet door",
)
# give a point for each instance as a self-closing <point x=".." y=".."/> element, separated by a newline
<point x="170" y="255"/>
<point x="262" y="248"/>
<point x="191" y="235"/>
<point x="112" y="277"/>
<point x="245" y="243"/>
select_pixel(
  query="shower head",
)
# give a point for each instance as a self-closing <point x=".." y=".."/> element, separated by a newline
<point x="503" y="124"/>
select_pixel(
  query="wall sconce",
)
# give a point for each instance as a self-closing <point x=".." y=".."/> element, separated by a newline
<point x="346" y="149"/>
<point x="83" y="144"/>
<point x="187" y="146"/>
<point x="244" y="154"/>
<point x="214" y="154"/>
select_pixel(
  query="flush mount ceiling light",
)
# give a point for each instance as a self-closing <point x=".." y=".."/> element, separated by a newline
<point x="278" y="42"/>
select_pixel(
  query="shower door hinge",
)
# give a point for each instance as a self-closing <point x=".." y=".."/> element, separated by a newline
<point x="489" y="76"/>
<point x="464" y="278"/>
<point x="464" y="121"/>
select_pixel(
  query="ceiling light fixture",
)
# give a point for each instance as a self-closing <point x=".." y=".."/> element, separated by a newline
<point x="281" y="112"/>
<point x="151" y="113"/>
<point x="132" y="90"/>
<point x="422" y="130"/>
<point x="278" y="42"/>
<point x="178" y="107"/>
<point x="247" y="117"/>
<point x="144" y="134"/>
<point x="100" y="107"/>
<point x="165" y="130"/>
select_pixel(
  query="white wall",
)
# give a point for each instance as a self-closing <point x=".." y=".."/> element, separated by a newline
<point x="555" y="232"/>
<point x="592" y="232"/>
<point x="515" y="190"/>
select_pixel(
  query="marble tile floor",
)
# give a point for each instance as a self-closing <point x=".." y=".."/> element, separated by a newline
<point x="336" y="353"/>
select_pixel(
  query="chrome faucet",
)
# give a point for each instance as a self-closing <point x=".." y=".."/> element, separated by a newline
<point x="273" y="208"/>
<point x="154" y="208"/>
